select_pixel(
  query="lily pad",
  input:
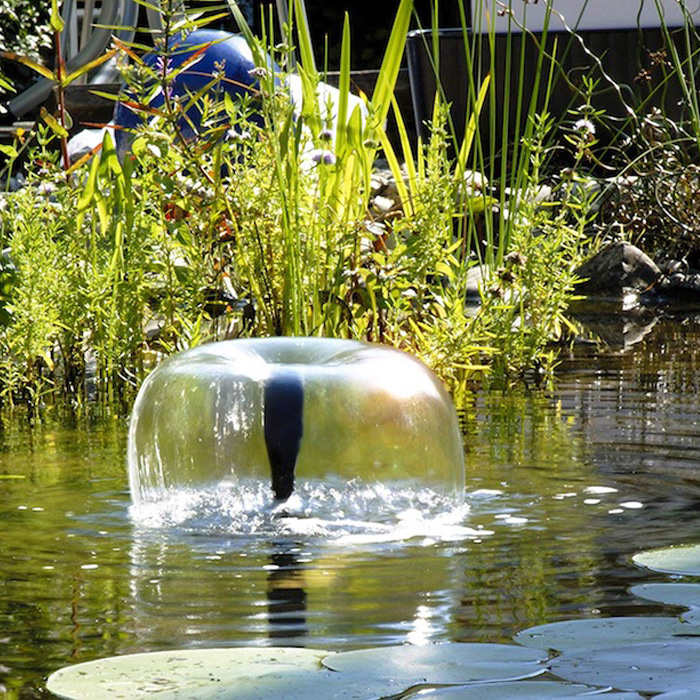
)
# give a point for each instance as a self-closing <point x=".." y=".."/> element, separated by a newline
<point x="522" y="690"/>
<point x="671" y="560"/>
<point x="684" y="594"/>
<point x="692" y="617"/>
<point x="442" y="663"/>
<point x="216" y="674"/>
<point x="569" y="635"/>
<point x="679" y="695"/>
<point x="648" y="667"/>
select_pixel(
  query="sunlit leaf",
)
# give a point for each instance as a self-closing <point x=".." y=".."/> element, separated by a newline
<point x="55" y="20"/>
<point x="198" y="674"/>
<point x="647" y="667"/>
<point x="26" y="61"/>
<point x="686" y="594"/>
<point x="9" y="151"/>
<point x="90" y="65"/>
<point x="609" y="631"/>
<point x="521" y="690"/>
<point x="128" y="50"/>
<point x="53" y="123"/>
<point x="391" y="63"/>
<point x="470" y="130"/>
<point x="442" y="663"/>
<point x="672" y="560"/>
<point x="343" y="86"/>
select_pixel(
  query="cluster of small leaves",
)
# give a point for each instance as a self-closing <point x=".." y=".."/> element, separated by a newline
<point x="24" y="27"/>
<point x="260" y="224"/>
<point x="656" y="197"/>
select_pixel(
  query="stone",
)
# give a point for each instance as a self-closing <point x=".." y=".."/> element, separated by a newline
<point x="617" y="270"/>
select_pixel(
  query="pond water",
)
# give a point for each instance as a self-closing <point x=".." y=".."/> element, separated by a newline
<point x="562" y="487"/>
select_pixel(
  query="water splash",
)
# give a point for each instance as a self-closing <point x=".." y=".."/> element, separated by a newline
<point x="344" y="513"/>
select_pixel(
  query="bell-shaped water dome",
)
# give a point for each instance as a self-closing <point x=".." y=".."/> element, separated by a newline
<point x="286" y="409"/>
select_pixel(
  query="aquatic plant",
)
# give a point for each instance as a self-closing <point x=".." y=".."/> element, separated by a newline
<point x="270" y="226"/>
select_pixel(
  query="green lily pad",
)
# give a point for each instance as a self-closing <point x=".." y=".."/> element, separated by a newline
<point x="569" y="635"/>
<point x="692" y="616"/>
<point x="442" y="663"/>
<point x="648" y="667"/>
<point x="671" y="560"/>
<point x="684" y="594"/>
<point x="216" y="674"/>
<point x="522" y="690"/>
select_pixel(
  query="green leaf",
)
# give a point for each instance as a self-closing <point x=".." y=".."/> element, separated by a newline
<point x="202" y="674"/>
<point x="391" y="63"/>
<point x="673" y="560"/>
<point x="26" y="61"/>
<point x="650" y="667"/>
<point x="685" y="594"/>
<point x="9" y="151"/>
<point x="53" y="123"/>
<point x="343" y="88"/>
<point x="89" y="66"/>
<point x="610" y="631"/>
<point x="522" y="690"/>
<point x="87" y="195"/>
<point x="55" y="19"/>
<point x="110" y="159"/>
<point x="306" y="49"/>
<point x="470" y="129"/>
<point x="395" y="168"/>
<point x="442" y="663"/>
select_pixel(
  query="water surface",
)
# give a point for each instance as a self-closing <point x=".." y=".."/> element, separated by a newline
<point x="562" y="488"/>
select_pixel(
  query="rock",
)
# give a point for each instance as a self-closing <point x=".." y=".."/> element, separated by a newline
<point x="618" y="269"/>
<point x="680" y="286"/>
<point x="477" y="277"/>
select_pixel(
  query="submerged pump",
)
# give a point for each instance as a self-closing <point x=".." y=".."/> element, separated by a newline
<point x="283" y="427"/>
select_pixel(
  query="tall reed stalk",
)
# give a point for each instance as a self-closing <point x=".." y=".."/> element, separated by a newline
<point x="267" y="222"/>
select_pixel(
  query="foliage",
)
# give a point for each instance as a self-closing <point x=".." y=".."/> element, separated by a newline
<point x="24" y="27"/>
<point x="270" y="226"/>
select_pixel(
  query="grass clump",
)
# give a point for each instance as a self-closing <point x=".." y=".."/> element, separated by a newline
<point x="272" y="226"/>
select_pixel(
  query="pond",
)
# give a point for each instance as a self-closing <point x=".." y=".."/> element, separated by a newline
<point x="563" y="488"/>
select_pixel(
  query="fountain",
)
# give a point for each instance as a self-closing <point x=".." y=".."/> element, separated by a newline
<point x="296" y="410"/>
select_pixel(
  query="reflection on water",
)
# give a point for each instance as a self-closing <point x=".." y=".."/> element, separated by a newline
<point x="571" y="484"/>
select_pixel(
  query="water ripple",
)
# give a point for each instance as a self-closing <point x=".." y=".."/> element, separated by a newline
<point x="357" y="513"/>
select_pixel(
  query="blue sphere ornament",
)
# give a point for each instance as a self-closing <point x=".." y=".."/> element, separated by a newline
<point x="291" y="410"/>
<point x="205" y="54"/>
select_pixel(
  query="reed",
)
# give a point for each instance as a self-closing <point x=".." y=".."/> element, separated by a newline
<point x="269" y="227"/>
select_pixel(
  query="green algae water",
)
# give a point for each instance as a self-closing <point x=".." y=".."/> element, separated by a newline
<point x="562" y="489"/>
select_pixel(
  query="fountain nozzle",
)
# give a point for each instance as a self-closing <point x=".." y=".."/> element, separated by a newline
<point x="283" y="427"/>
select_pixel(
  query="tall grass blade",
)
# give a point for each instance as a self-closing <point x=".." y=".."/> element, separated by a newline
<point x="391" y="63"/>
<point x="470" y="129"/>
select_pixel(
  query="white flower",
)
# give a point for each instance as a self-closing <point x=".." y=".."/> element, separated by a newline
<point x="258" y="72"/>
<point x="585" y="127"/>
<point x="240" y="136"/>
